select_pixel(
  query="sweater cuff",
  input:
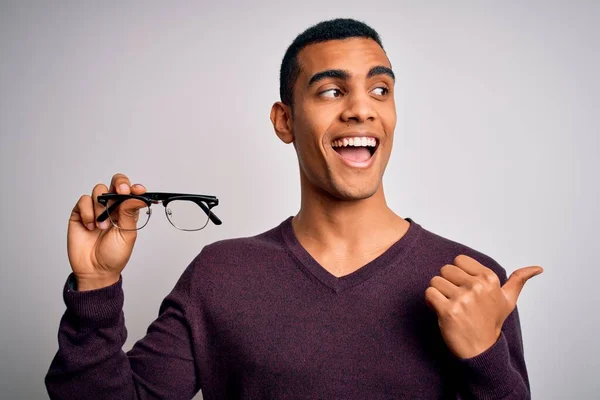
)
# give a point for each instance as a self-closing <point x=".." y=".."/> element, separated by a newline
<point x="99" y="308"/>
<point x="488" y="375"/>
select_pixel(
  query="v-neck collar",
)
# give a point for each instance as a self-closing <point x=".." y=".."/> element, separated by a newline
<point x="338" y="284"/>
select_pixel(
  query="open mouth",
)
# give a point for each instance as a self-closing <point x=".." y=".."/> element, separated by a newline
<point x="356" y="149"/>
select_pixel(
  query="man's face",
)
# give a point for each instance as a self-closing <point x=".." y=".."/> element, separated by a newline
<point x="344" y="116"/>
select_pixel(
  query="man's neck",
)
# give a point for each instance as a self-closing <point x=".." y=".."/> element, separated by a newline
<point x="347" y="234"/>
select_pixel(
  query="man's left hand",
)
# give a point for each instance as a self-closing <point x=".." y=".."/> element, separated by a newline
<point x="471" y="305"/>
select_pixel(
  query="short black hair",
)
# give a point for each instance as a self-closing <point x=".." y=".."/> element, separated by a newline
<point x="335" y="29"/>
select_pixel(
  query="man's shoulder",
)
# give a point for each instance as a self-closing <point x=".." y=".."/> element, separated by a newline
<point x="448" y="248"/>
<point x="242" y="250"/>
<point x="231" y="264"/>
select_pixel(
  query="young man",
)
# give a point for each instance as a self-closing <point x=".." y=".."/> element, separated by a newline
<point x="346" y="300"/>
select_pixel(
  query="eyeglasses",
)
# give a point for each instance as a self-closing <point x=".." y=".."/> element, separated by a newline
<point x="187" y="212"/>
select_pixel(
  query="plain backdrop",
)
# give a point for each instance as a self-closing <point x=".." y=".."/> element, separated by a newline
<point x="496" y="147"/>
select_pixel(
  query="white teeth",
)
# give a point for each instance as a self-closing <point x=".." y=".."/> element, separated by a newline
<point x="355" y="141"/>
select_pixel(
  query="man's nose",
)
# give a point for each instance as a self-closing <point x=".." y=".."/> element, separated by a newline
<point x="359" y="108"/>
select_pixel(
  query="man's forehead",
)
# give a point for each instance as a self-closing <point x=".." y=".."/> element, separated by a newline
<point x="354" y="54"/>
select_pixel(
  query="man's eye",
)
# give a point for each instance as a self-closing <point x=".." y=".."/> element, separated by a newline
<point x="380" y="91"/>
<point x="331" y="93"/>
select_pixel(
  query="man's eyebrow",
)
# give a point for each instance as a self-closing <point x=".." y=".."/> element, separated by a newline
<point x="344" y="75"/>
<point x="329" y="73"/>
<point x="381" y="70"/>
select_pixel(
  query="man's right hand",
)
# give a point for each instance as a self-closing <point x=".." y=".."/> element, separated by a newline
<point x="98" y="252"/>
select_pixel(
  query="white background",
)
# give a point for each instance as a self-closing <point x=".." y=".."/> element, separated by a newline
<point x="496" y="147"/>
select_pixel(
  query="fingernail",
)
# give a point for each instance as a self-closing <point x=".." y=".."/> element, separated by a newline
<point x="124" y="187"/>
<point x="103" y="225"/>
<point x="91" y="226"/>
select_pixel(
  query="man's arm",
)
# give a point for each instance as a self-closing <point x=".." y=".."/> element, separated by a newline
<point x="90" y="362"/>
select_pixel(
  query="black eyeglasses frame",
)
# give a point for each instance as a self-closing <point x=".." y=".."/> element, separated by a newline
<point x="205" y="202"/>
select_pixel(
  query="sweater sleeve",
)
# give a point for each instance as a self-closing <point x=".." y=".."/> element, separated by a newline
<point x="500" y="371"/>
<point x="90" y="362"/>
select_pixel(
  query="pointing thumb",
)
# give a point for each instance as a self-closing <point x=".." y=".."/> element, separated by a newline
<point x="513" y="286"/>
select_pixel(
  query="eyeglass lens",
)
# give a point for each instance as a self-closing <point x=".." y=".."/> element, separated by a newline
<point x="187" y="215"/>
<point x="130" y="214"/>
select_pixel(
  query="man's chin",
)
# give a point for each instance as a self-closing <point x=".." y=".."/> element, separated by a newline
<point x="348" y="193"/>
<point x="340" y="189"/>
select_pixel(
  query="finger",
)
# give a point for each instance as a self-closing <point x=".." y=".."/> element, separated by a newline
<point x="445" y="287"/>
<point x="99" y="208"/>
<point x="129" y="213"/>
<point x="138" y="189"/>
<point x="478" y="270"/>
<point x="456" y="275"/>
<point x="470" y="265"/>
<point x="435" y="300"/>
<point x="83" y="212"/>
<point x="120" y="184"/>
<point x="126" y="215"/>
<point x="514" y="284"/>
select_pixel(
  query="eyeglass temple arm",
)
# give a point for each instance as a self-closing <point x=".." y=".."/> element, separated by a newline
<point x="106" y="213"/>
<point x="215" y="220"/>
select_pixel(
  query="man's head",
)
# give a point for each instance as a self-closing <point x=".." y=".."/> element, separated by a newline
<point x="336" y="29"/>
<point x="337" y="107"/>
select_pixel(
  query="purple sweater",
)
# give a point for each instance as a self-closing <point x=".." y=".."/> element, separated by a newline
<point x="259" y="318"/>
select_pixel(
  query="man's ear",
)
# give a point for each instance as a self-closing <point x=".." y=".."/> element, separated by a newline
<point x="281" y="118"/>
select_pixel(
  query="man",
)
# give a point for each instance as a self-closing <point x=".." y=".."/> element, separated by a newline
<point x="346" y="300"/>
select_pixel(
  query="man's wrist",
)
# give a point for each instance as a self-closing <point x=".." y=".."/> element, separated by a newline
<point x="83" y="284"/>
